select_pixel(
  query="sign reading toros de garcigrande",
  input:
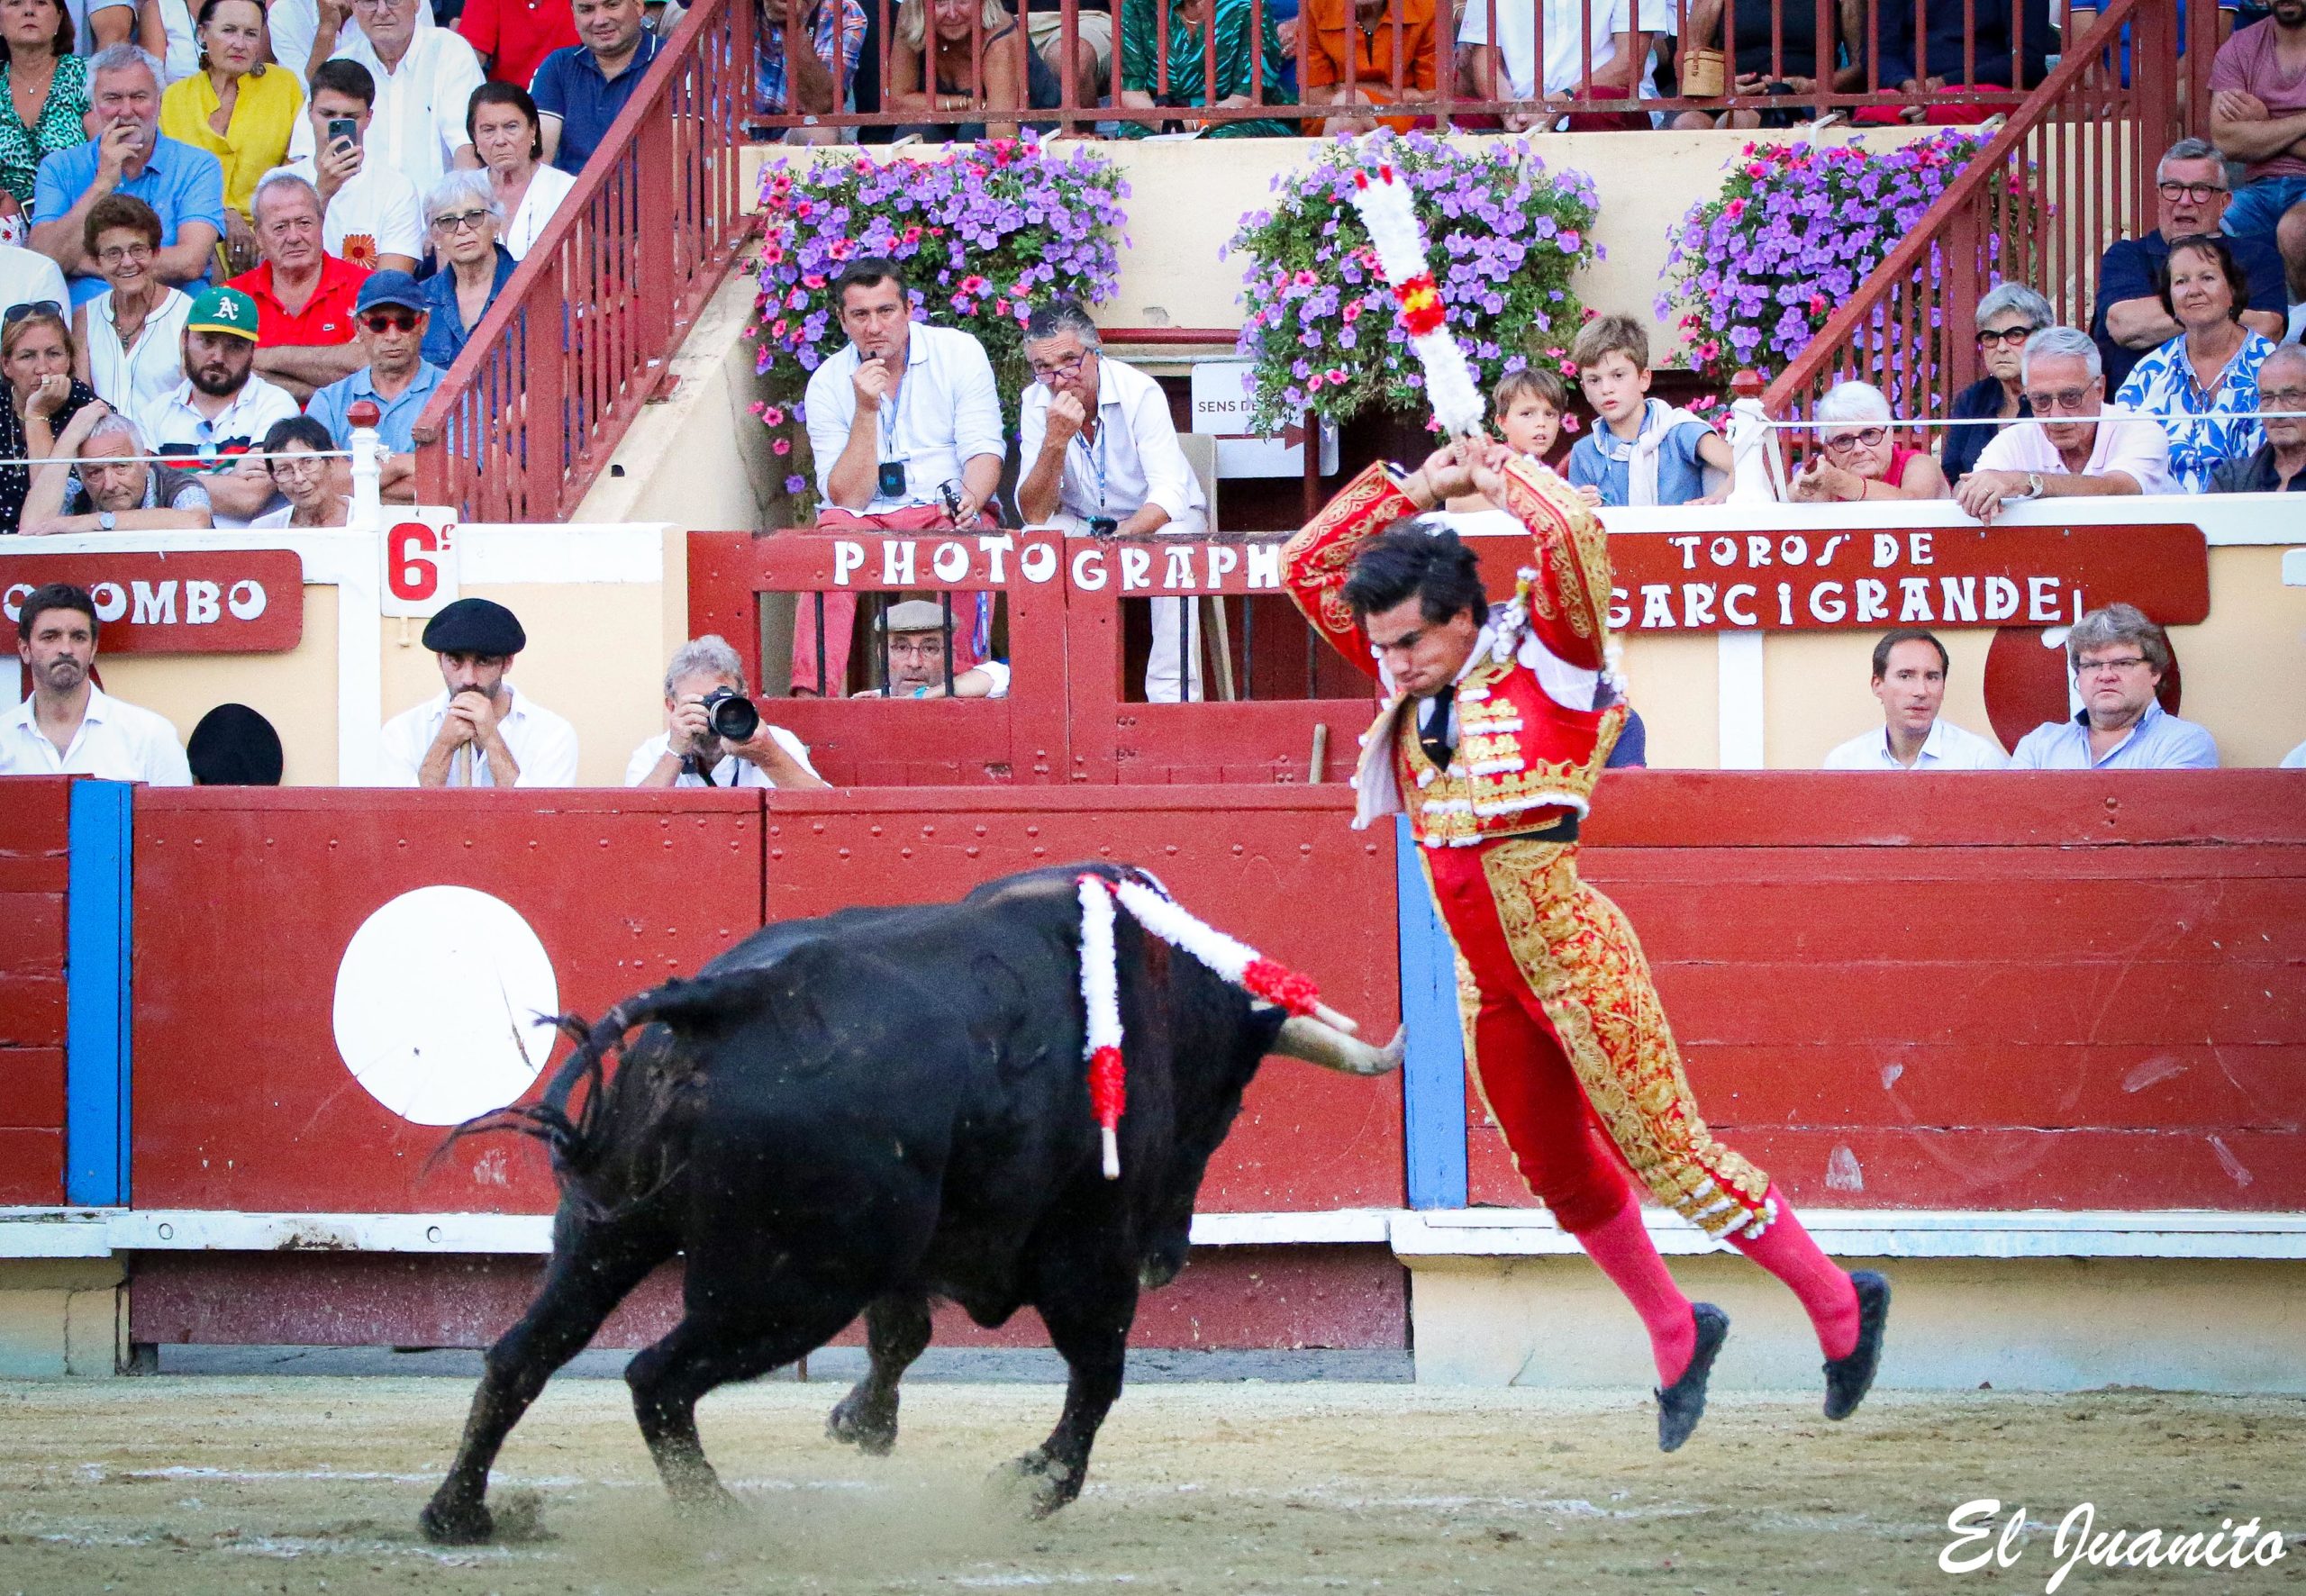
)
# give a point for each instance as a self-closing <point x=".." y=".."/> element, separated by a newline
<point x="1822" y="579"/>
<point x="226" y="600"/>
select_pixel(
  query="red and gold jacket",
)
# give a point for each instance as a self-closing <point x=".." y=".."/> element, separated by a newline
<point x="1524" y="758"/>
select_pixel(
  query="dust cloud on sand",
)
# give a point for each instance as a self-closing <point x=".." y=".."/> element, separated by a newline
<point x="208" y="1485"/>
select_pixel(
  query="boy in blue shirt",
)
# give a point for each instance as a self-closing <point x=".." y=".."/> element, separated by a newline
<point x="1644" y="451"/>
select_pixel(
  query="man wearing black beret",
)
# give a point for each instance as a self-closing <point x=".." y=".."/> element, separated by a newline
<point x="479" y="732"/>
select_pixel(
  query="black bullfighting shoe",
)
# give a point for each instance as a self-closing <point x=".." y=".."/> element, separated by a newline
<point x="1683" y="1403"/>
<point x="1848" y="1379"/>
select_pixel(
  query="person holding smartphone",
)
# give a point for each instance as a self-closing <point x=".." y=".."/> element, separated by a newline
<point x="374" y="216"/>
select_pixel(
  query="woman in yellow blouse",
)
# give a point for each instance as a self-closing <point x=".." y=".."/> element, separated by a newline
<point x="237" y="109"/>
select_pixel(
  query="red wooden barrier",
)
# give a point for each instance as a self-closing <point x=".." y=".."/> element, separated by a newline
<point x="35" y="826"/>
<point x="1955" y="992"/>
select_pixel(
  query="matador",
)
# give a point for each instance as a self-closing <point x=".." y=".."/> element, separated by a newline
<point x="1494" y="731"/>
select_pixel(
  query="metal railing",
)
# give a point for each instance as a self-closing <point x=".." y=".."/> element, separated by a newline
<point x="2071" y="171"/>
<point x="1787" y="60"/>
<point x="581" y="336"/>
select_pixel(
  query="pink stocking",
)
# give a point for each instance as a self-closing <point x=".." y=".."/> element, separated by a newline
<point x="1622" y="1247"/>
<point x="1786" y="1251"/>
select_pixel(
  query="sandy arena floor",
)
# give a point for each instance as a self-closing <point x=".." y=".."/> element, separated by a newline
<point x="211" y="1485"/>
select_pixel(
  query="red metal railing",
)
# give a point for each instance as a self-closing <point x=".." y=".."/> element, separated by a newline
<point x="580" y="338"/>
<point x="2071" y="171"/>
<point x="1794" y="57"/>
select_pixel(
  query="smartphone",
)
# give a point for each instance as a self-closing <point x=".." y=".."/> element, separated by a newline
<point x="344" y="129"/>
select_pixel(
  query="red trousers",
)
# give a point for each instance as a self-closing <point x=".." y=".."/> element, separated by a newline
<point x="1567" y="1044"/>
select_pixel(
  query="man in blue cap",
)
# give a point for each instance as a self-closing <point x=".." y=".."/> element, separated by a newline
<point x="391" y="317"/>
<point x="477" y="732"/>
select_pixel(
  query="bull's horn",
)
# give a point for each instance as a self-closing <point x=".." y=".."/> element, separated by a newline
<point x="1325" y="1045"/>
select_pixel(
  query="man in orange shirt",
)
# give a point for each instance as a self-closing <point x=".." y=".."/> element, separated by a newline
<point x="1387" y="47"/>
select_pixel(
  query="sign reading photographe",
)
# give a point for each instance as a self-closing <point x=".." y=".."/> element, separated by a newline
<point x="226" y="600"/>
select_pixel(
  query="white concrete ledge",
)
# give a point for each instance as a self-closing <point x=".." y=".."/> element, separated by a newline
<point x="1435" y="1236"/>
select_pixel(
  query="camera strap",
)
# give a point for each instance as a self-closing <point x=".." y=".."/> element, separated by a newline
<point x="692" y="765"/>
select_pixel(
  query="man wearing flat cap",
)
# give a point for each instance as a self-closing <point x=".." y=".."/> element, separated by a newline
<point x="915" y="655"/>
<point x="479" y="732"/>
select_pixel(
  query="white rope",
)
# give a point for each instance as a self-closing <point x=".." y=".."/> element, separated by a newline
<point x="184" y="462"/>
<point x="1811" y="425"/>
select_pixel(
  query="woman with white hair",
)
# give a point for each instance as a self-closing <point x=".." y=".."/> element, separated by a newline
<point x="2009" y="314"/>
<point x="465" y="217"/>
<point x="1862" y="459"/>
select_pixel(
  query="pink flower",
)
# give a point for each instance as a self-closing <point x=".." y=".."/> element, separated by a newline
<point x="783" y="446"/>
<point x="1306" y="279"/>
<point x="776" y="327"/>
<point x="1569" y="423"/>
<point x="1353" y="312"/>
<point x="1755" y="169"/>
<point x="814" y="280"/>
<point x="1569" y="368"/>
<point x="973" y="284"/>
<point x="771" y="416"/>
<point x="1734" y="209"/>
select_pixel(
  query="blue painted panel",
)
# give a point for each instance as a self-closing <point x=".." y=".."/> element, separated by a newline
<point x="97" y="964"/>
<point x="1433" y="1076"/>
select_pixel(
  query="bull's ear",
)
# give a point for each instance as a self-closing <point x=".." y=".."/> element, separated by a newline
<point x="1316" y="1043"/>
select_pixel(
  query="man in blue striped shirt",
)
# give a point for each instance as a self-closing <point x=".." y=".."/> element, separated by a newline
<point x="2119" y="658"/>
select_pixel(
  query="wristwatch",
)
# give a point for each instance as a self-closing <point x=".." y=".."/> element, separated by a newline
<point x="107" y="521"/>
<point x="2033" y="485"/>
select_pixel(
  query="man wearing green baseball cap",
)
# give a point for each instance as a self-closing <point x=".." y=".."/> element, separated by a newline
<point x="221" y="409"/>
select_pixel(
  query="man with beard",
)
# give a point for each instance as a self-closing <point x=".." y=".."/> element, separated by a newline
<point x="70" y="726"/>
<point x="477" y="732"/>
<point x="915" y="652"/>
<point x="125" y="154"/>
<point x="222" y="409"/>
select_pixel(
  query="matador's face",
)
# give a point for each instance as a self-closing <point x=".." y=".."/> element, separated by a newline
<point x="1422" y="655"/>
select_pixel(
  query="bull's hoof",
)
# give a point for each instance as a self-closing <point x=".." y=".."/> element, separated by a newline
<point x="1046" y="1485"/>
<point x="869" y="1426"/>
<point x="447" y="1521"/>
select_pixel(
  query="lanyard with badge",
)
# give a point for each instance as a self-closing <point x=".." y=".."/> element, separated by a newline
<point x="1101" y="525"/>
<point x="891" y="484"/>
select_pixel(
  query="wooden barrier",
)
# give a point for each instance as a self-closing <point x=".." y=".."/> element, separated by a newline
<point x="34" y="871"/>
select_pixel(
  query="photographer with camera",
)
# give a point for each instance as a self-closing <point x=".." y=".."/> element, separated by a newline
<point x="1101" y="458"/>
<point x="713" y="735"/>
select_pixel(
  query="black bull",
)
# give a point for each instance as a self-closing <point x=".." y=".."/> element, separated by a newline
<point x="861" y="1113"/>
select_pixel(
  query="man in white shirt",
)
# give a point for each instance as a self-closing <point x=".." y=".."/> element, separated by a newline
<point x="70" y="726"/>
<point x="306" y="32"/>
<point x="688" y="753"/>
<point x="478" y="733"/>
<point x="27" y="277"/>
<point x="221" y="410"/>
<point x="906" y="425"/>
<point x="1508" y="69"/>
<point x="1909" y="668"/>
<point x="2080" y="447"/>
<point x="1100" y="457"/>
<point x="374" y="217"/>
<point x="424" y="79"/>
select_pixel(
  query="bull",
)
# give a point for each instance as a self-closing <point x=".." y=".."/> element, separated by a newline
<point x="862" y="1114"/>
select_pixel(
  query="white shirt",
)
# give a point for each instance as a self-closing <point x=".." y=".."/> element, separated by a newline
<point x="1135" y="460"/>
<point x="1946" y="747"/>
<point x="420" y="120"/>
<point x="293" y="25"/>
<point x="731" y="772"/>
<point x="1565" y="61"/>
<point x="944" y="412"/>
<point x="116" y="741"/>
<point x="376" y="204"/>
<point x="84" y="41"/>
<point x="27" y="277"/>
<point x="543" y="744"/>
<point x="547" y="188"/>
<point x="183" y="59"/>
<point x="172" y="426"/>
<point x="2122" y="442"/>
<point x="131" y="379"/>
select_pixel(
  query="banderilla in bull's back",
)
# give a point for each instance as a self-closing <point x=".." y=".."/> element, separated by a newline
<point x="863" y="1112"/>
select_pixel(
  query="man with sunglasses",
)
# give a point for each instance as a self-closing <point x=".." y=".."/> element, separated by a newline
<point x="2119" y="659"/>
<point x="2191" y="199"/>
<point x="2279" y="466"/>
<point x="1101" y="455"/>
<point x="397" y="377"/>
<point x="2077" y="446"/>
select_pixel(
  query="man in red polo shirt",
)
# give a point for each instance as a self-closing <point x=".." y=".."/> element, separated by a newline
<point x="303" y="294"/>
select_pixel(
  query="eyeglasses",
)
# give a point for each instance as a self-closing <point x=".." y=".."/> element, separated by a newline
<point x="1045" y="370"/>
<point x="2009" y="338"/>
<point x="460" y="222"/>
<point x="121" y="254"/>
<point x="37" y="307"/>
<point x="2099" y="668"/>
<point x="390" y="321"/>
<point x="2282" y="398"/>
<point x="2068" y="401"/>
<point x="1843" y="442"/>
<point x="2198" y="193"/>
<point x="299" y="465"/>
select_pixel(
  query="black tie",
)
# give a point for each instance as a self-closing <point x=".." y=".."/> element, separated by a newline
<point x="1433" y="734"/>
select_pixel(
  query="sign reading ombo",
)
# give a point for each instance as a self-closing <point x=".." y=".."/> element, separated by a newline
<point x="237" y="601"/>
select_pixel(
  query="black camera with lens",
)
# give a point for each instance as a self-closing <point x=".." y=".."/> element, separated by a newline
<point x="730" y="714"/>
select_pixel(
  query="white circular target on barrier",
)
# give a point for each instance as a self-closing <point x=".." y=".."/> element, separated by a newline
<point x="437" y="999"/>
